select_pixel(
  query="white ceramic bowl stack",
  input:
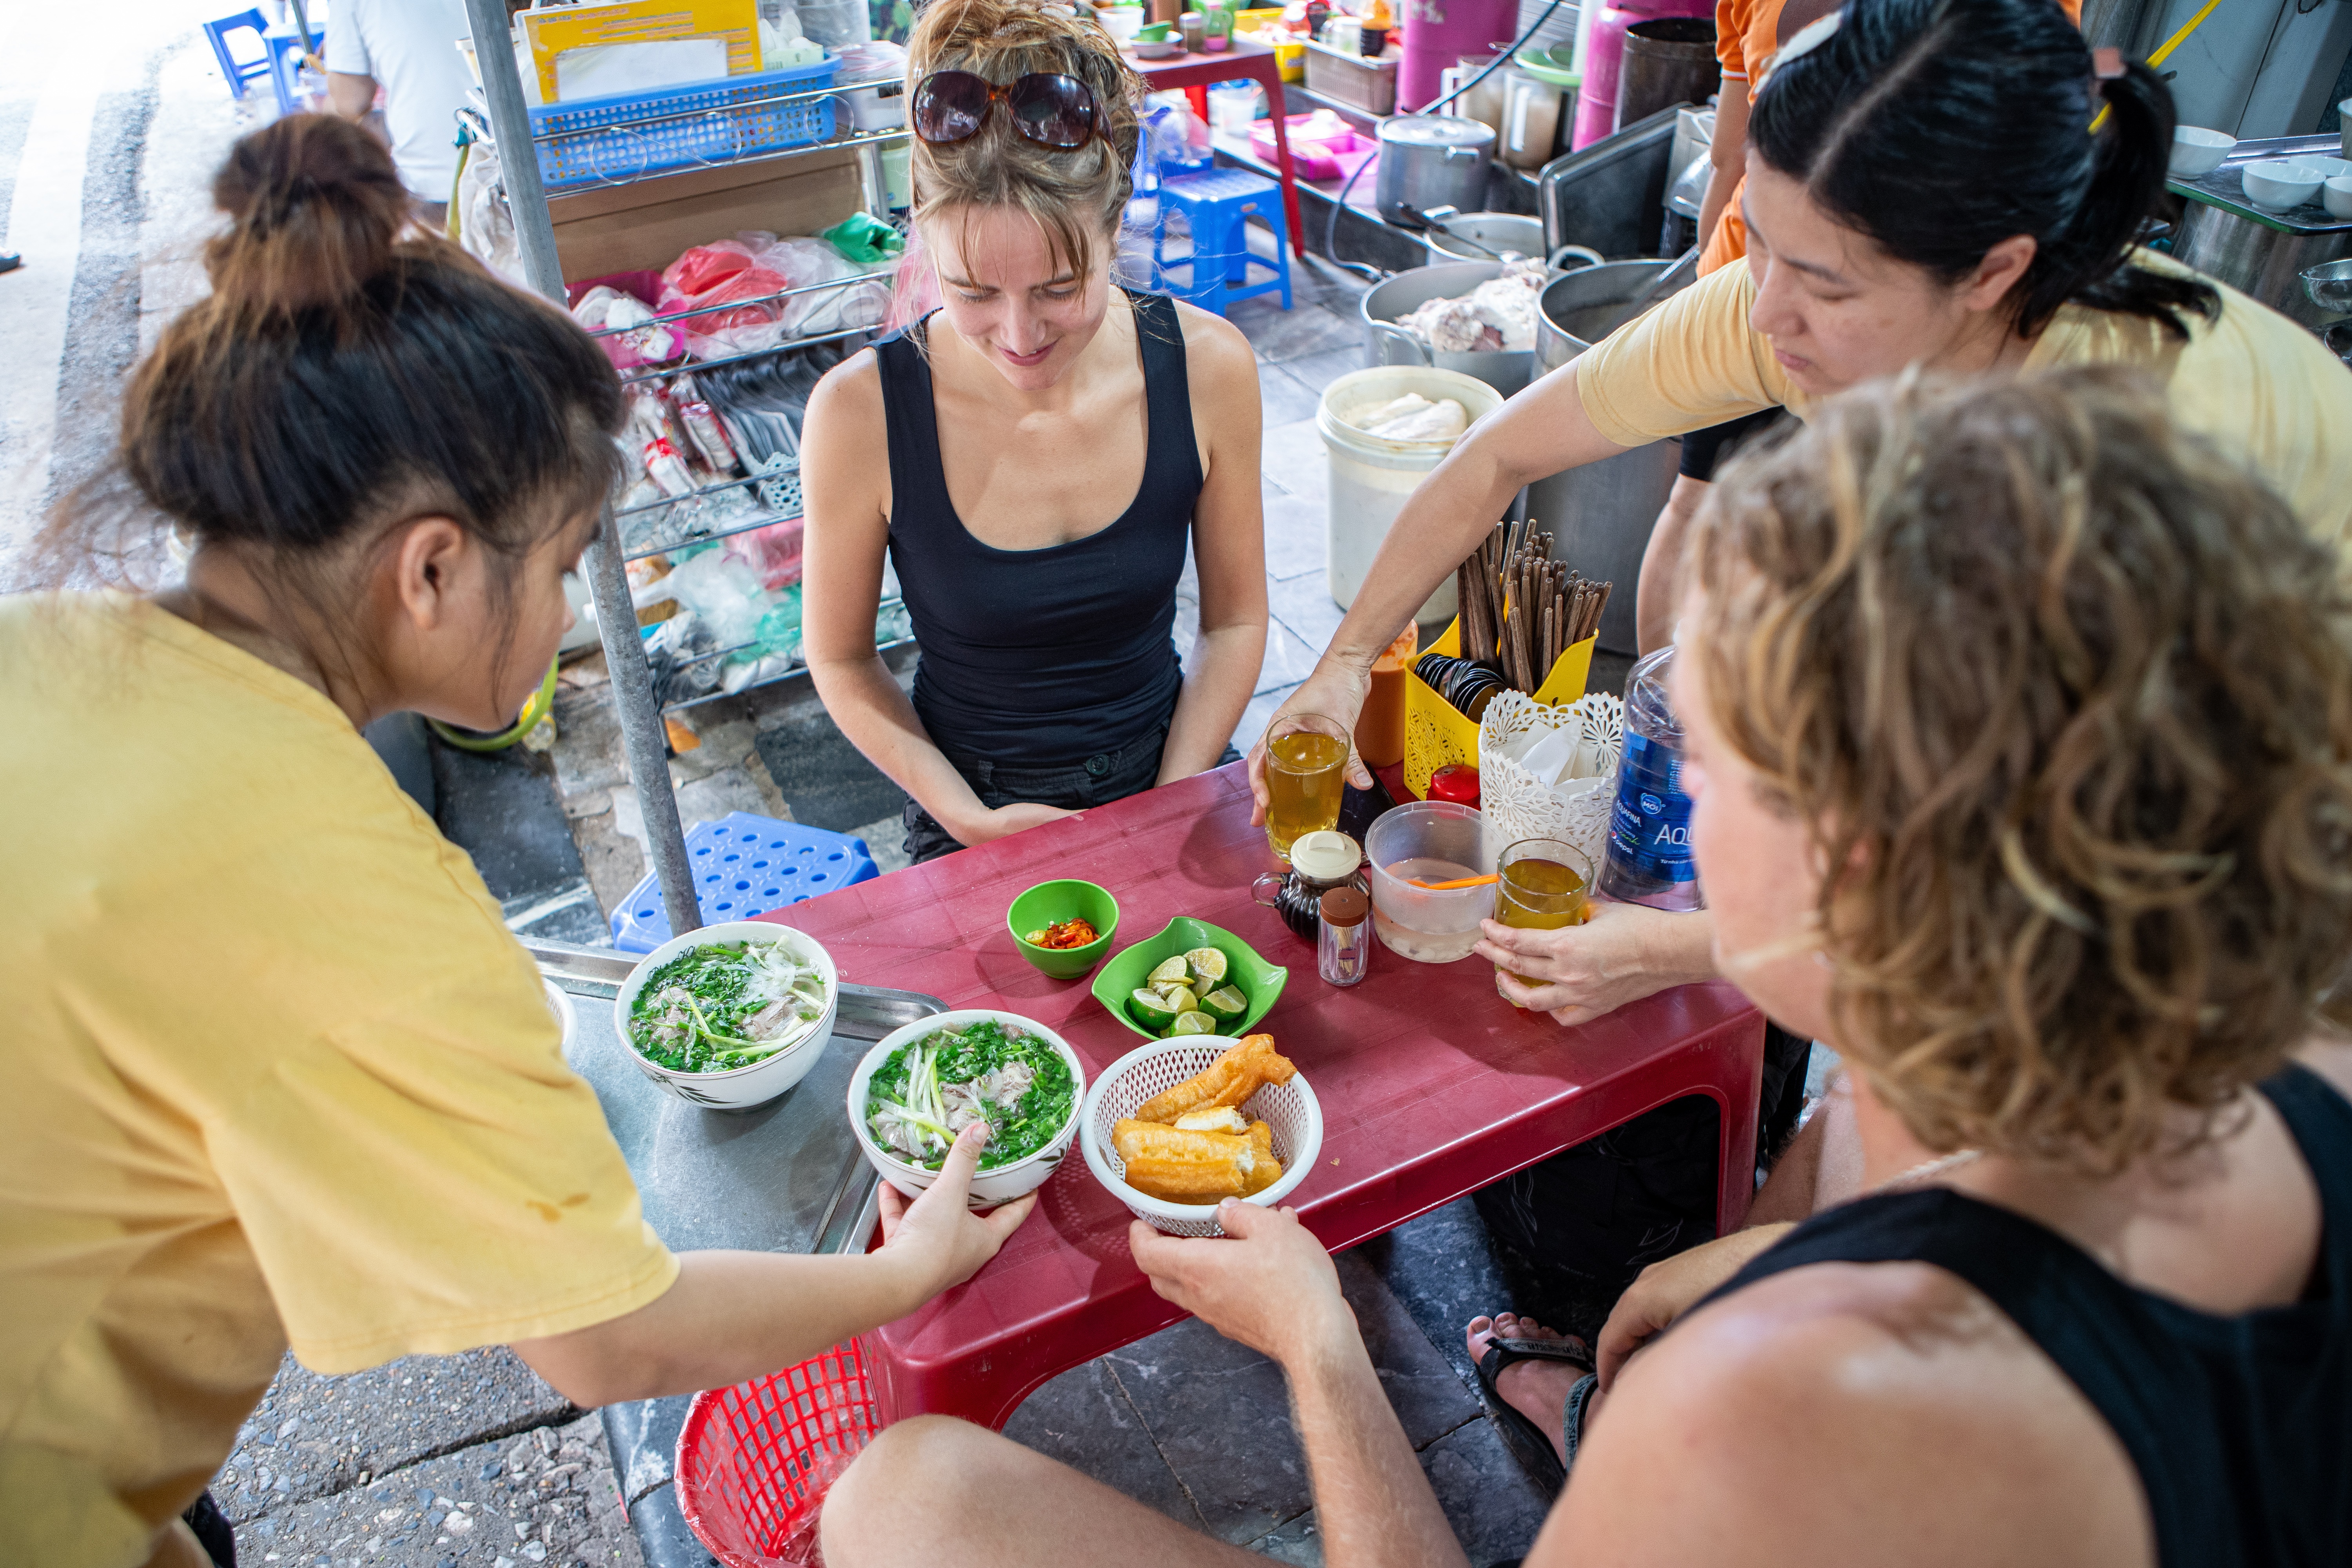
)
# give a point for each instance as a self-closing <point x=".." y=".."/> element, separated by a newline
<point x="2335" y="196"/>
<point x="988" y="1188"/>
<point x="2279" y="185"/>
<point x="1288" y="1110"/>
<point x="736" y="1089"/>
<point x="2196" y="152"/>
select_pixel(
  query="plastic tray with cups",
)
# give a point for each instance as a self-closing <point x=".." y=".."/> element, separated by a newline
<point x="1526" y="624"/>
<point x="1175" y="1127"/>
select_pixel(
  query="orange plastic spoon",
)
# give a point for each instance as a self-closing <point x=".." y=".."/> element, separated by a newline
<point x="1457" y="882"/>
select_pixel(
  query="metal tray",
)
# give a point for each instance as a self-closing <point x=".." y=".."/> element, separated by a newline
<point x="786" y="1176"/>
<point x="2224" y="187"/>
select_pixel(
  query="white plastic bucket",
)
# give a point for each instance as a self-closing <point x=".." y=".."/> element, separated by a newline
<point x="1371" y="476"/>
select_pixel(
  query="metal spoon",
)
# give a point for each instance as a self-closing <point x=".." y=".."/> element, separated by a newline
<point x="1662" y="281"/>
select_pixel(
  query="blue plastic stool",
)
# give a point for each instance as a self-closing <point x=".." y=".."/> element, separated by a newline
<point x="745" y="866"/>
<point x="1217" y="207"/>
<point x="276" y="45"/>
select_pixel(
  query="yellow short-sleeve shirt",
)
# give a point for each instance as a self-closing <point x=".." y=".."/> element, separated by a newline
<point x="276" y="1073"/>
<point x="2253" y="382"/>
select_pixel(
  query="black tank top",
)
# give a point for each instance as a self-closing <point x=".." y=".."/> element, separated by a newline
<point x="1042" y="657"/>
<point x="2241" y="1427"/>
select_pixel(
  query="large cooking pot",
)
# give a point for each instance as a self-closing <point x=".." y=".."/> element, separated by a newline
<point x="2265" y="260"/>
<point x="1600" y="515"/>
<point x="1506" y="371"/>
<point x="1434" y="161"/>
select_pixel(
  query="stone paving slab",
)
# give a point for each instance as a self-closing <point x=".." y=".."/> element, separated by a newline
<point x="315" y="1435"/>
<point x="1200" y="1428"/>
<point x="547" y="1497"/>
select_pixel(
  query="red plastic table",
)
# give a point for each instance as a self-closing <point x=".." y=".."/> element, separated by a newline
<point x="1241" y="58"/>
<point x="1432" y="1086"/>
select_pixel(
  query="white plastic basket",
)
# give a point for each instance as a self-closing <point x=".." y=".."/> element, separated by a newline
<point x="1290" y="1110"/>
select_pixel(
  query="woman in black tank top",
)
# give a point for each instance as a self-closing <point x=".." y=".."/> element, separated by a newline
<point x="2068" y="700"/>
<point x="1036" y="457"/>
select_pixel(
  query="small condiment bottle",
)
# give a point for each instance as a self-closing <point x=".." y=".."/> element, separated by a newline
<point x="1195" y="28"/>
<point x="1319" y="862"/>
<point x="1344" y="949"/>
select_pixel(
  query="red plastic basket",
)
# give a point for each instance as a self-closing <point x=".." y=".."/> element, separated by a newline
<point x="755" y="1461"/>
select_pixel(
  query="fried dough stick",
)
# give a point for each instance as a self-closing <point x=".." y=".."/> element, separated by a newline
<point x="1182" y="1166"/>
<point x="1265" y="1169"/>
<point x="1151" y="1141"/>
<point x="1185" y="1167"/>
<point x="1231" y="1080"/>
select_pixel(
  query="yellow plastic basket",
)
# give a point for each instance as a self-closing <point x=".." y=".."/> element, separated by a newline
<point x="1289" y="55"/>
<point x="1437" y="734"/>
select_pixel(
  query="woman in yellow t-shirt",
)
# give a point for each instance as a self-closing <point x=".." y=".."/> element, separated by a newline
<point x="1920" y="192"/>
<point x="276" y="1070"/>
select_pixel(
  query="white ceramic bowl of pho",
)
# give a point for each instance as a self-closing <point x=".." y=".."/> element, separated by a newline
<point x="742" y="1022"/>
<point x="949" y="1069"/>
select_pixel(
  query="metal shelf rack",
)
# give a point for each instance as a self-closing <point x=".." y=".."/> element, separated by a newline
<point x="631" y="678"/>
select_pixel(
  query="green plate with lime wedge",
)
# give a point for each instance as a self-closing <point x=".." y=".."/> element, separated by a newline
<point x="1259" y="983"/>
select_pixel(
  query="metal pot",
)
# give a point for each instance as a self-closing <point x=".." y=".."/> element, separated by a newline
<point x="1505" y="370"/>
<point x="1668" y="60"/>
<point x="2265" y="260"/>
<point x="1434" y="161"/>
<point x="1600" y="514"/>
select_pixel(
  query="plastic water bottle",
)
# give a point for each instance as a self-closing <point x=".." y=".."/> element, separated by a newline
<point x="1649" y="826"/>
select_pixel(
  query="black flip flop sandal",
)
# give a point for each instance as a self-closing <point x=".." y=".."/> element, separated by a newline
<point x="1528" y="1442"/>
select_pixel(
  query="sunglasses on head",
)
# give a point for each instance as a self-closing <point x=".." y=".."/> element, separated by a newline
<point x="1050" y="109"/>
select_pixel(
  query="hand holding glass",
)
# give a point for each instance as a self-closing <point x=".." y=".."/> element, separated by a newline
<point x="1306" y="769"/>
<point x="1545" y="884"/>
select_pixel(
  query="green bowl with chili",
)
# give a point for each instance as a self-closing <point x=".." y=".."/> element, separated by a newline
<point x="1049" y="904"/>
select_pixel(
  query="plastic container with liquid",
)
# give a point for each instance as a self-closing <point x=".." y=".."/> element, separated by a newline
<point x="1649" y="859"/>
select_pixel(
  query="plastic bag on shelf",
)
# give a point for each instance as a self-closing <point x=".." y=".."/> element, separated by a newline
<point x="865" y="239"/>
<point x="773" y="554"/>
<point x="650" y="343"/>
<point x="721" y="592"/>
<point x="752" y="266"/>
<point x="486" y="227"/>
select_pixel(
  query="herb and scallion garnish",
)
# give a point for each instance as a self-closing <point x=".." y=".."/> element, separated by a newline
<point x="725" y="1005"/>
<point x="925" y="1093"/>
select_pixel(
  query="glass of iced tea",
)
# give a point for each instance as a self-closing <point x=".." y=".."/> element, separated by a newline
<point x="1542" y="884"/>
<point x="1306" y="768"/>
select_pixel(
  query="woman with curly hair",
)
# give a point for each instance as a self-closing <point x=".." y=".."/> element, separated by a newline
<point x="1036" y="458"/>
<point x="2036" y="714"/>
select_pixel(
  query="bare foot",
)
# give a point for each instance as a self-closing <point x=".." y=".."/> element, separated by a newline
<point x="1538" y="1390"/>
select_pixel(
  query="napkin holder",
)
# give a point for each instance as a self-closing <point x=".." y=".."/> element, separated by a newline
<point x="1437" y="734"/>
<point x="1574" y="808"/>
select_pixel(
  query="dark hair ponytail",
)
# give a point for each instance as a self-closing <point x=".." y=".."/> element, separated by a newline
<point x="343" y="374"/>
<point x="1941" y="127"/>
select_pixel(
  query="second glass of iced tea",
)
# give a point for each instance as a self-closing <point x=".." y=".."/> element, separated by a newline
<point x="1306" y="768"/>
<point x="1542" y="884"/>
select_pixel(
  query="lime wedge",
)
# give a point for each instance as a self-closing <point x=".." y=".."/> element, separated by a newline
<point x="1172" y="973"/>
<point x="1179" y="998"/>
<point x="1225" y="1003"/>
<point x="1207" y="966"/>
<point x="1151" y="1012"/>
<point x="1193" y="1024"/>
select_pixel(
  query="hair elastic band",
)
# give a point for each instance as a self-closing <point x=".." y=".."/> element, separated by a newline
<point x="1809" y="36"/>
